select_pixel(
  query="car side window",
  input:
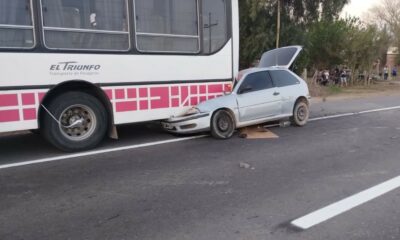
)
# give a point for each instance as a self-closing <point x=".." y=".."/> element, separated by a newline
<point x="283" y="78"/>
<point x="256" y="82"/>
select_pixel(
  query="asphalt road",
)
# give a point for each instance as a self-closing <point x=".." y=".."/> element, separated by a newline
<point x="195" y="189"/>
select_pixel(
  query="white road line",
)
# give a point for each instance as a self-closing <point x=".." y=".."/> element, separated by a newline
<point x="332" y="116"/>
<point x="90" y="153"/>
<point x="354" y="113"/>
<point x="380" y="110"/>
<point x="347" y="204"/>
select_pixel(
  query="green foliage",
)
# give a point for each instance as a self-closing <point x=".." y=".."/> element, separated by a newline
<point x="328" y="40"/>
<point x="325" y="43"/>
<point x="334" y="89"/>
<point x="258" y="23"/>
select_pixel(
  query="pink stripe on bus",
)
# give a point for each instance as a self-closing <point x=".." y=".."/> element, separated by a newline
<point x="193" y="90"/>
<point x="29" y="114"/>
<point x="163" y="94"/>
<point x="9" y="116"/>
<point x="175" y="102"/>
<point x="184" y="95"/>
<point x="41" y="96"/>
<point x="132" y="93"/>
<point x="144" y="105"/>
<point x="194" y="101"/>
<point x="175" y="91"/>
<point x="215" y="88"/>
<point x="143" y="92"/>
<point x="28" y="99"/>
<point x="126" y="106"/>
<point x="8" y="100"/>
<point x="203" y="89"/>
<point x="120" y="93"/>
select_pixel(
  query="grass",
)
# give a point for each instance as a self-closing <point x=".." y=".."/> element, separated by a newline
<point x="334" y="90"/>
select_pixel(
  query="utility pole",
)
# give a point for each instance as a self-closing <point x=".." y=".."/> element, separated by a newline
<point x="278" y="24"/>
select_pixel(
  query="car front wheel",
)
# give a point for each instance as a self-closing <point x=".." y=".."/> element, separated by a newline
<point x="301" y="113"/>
<point x="222" y="125"/>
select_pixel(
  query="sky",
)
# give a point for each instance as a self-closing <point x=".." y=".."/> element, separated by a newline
<point x="358" y="7"/>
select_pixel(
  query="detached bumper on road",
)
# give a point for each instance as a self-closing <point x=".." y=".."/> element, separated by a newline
<point x="188" y="124"/>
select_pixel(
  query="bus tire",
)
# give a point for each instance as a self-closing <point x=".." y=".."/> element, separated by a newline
<point x="81" y="124"/>
<point x="222" y="125"/>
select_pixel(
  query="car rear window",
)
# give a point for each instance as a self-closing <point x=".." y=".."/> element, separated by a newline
<point x="283" y="78"/>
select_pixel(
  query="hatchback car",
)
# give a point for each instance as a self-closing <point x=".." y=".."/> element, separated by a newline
<point x="266" y="93"/>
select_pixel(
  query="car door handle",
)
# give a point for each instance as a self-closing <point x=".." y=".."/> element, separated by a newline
<point x="277" y="94"/>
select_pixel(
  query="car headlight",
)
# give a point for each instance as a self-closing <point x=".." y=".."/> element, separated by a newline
<point x="192" y="111"/>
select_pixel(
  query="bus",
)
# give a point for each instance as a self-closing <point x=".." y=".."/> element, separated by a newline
<point x="75" y="69"/>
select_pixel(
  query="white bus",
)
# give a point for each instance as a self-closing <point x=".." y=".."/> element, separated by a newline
<point x="77" y="68"/>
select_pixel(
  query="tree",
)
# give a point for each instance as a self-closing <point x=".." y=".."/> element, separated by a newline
<point x="325" y="42"/>
<point x="258" y="23"/>
<point x="386" y="15"/>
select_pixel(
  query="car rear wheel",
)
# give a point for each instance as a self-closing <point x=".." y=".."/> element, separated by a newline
<point x="222" y="125"/>
<point x="301" y="113"/>
<point x="80" y="122"/>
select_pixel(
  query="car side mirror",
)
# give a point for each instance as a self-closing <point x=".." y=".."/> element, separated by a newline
<point x="245" y="90"/>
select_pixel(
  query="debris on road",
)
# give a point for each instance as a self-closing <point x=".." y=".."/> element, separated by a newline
<point x="284" y="124"/>
<point x="257" y="132"/>
<point x="244" y="165"/>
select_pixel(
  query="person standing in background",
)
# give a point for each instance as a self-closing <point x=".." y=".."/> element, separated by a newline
<point x="385" y="73"/>
<point x="343" y="78"/>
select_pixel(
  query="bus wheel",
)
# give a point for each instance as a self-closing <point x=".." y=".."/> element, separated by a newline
<point x="222" y="125"/>
<point x="78" y="121"/>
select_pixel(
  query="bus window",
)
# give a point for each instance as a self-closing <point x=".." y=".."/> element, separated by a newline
<point x="16" y="27"/>
<point x="167" y="26"/>
<point x="86" y="24"/>
<point x="215" y="27"/>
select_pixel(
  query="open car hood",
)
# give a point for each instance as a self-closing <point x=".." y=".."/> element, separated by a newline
<point x="280" y="57"/>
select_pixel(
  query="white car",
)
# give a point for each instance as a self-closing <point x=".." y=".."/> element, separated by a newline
<point x="269" y="92"/>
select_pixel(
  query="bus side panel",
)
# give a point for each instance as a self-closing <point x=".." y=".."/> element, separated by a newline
<point x="155" y="102"/>
<point x="19" y="109"/>
<point x="155" y="72"/>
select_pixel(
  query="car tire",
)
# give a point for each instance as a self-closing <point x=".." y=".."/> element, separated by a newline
<point x="222" y="125"/>
<point x="86" y="111"/>
<point x="301" y="113"/>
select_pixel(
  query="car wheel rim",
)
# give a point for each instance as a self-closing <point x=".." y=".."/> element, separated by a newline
<point x="301" y="113"/>
<point x="77" y="122"/>
<point x="223" y="123"/>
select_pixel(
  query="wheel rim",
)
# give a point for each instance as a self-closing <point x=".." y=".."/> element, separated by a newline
<point x="302" y="113"/>
<point x="223" y="123"/>
<point x="77" y="122"/>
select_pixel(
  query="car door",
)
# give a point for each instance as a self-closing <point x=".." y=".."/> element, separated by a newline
<point x="288" y="86"/>
<point x="257" y="97"/>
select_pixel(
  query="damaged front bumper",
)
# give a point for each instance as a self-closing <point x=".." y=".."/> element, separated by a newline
<point x="195" y="123"/>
